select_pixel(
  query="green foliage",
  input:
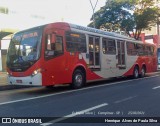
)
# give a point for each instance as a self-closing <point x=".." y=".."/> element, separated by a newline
<point x="131" y="16"/>
<point x="4" y="10"/>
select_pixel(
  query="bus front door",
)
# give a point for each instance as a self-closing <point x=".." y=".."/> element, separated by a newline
<point x="55" y="59"/>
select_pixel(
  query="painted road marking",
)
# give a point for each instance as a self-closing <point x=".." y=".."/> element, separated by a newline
<point x="74" y="114"/>
<point x="65" y="92"/>
<point x="156" y="87"/>
<point x="126" y="99"/>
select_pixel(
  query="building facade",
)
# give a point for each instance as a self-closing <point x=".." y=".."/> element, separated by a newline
<point x="152" y="35"/>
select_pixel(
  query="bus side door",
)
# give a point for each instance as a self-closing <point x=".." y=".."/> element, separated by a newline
<point x="94" y="53"/>
<point x="121" y="54"/>
<point x="121" y="57"/>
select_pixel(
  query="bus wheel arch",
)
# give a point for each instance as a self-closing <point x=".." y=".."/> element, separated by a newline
<point x="136" y="71"/>
<point x="143" y="71"/>
<point x="78" y="77"/>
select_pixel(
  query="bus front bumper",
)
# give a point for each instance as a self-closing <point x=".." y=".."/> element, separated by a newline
<point x="35" y="80"/>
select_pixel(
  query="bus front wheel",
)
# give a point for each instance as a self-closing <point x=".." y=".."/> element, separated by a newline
<point x="78" y="79"/>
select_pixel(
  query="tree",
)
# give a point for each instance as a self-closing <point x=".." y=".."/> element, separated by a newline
<point x="131" y="16"/>
<point x="146" y="15"/>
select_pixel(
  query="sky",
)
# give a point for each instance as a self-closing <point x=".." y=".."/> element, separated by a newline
<point x="72" y="11"/>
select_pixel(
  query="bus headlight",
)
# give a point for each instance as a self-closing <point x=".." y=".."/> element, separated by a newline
<point x="9" y="74"/>
<point x="36" y="72"/>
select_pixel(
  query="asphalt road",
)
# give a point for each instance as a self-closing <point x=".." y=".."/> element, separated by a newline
<point x="133" y="98"/>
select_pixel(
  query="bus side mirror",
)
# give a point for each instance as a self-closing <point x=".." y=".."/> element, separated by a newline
<point x="53" y="39"/>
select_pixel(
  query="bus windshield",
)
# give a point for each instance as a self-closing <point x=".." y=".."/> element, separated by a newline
<point x="24" y="50"/>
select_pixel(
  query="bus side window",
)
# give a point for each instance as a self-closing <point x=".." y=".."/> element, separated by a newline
<point x="152" y="50"/>
<point x="58" y="45"/>
<point x="149" y="50"/>
<point x="49" y="49"/>
<point x="140" y="49"/>
<point x="109" y="46"/>
<point x="131" y="49"/>
<point x="76" y="42"/>
<point x="53" y="48"/>
<point x="104" y="48"/>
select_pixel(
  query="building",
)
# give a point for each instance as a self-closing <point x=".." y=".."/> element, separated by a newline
<point x="153" y="34"/>
<point x="5" y="36"/>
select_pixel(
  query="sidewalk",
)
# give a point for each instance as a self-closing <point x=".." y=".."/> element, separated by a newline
<point x="3" y="81"/>
<point x="3" y="78"/>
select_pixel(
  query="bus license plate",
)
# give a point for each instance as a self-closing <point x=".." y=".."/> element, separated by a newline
<point x="19" y="81"/>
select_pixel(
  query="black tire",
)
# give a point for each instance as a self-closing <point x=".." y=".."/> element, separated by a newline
<point x="135" y="72"/>
<point x="143" y="72"/>
<point x="78" y="79"/>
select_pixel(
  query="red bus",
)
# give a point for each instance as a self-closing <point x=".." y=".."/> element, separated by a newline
<point x="63" y="53"/>
<point x="158" y="58"/>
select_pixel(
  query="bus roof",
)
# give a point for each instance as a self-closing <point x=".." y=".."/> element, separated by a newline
<point x="98" y="31"/>
<point x="106" y="33"/>
<point x="33" y="28"/>
<point x="64" y="25"/>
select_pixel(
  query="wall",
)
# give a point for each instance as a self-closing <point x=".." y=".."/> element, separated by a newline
<point x="4" y="44"/>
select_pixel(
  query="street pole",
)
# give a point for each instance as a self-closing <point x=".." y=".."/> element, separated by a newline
<point x="93" y="8"/>
<point x="158" y="31"/>
<point x="158" y="24"/>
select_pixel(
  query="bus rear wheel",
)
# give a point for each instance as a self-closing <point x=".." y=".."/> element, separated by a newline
<point x="136" y="72"/>
<point x="78" y="79"/>
<point x="143" y="72"/>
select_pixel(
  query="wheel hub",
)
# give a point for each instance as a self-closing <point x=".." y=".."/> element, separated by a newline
<point x="78" y="79"/>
